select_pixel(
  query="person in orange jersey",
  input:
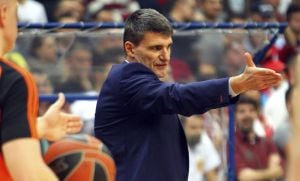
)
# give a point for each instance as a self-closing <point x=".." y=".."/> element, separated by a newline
<point x="20" y="128"/>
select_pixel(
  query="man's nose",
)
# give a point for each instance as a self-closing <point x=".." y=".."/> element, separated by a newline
<point x="164" y="55"/>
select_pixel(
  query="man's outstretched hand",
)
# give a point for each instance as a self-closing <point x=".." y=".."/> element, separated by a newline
<point x="254" y="78"/>
<point x="55" y="124"/>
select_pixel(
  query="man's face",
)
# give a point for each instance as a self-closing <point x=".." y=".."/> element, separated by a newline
<point x="9" y="19"/>
<point x="153" y="51"/>
<point x="212" y="8"/>
<point x="47" y="50"/>
<point x="193" y="128"/>
<point x="245" y="116"/>
<point x="81" y="62"/>
<point x="187" y="9"/>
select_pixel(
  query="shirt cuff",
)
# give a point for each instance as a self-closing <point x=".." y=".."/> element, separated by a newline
<point x="231" y="92"/>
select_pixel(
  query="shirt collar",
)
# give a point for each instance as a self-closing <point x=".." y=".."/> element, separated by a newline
<point x="244" y="138"/>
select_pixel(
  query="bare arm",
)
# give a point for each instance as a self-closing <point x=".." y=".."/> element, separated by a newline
<point x="273" y="171"/>
<point x="24" y="160"/>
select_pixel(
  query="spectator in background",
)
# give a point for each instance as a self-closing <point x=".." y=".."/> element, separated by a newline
<point x="283" y="134"/>
<point x="236" y="7"/>
<point x="211" y="10"/>
<point x="184" y="11"/>
<point x="233" y="58"/>
<point x="159" y="5"/>
<point x="291" y="43"/>
<point x="283" y="5"/>
<point x="110" y="10"/>
<point x="279" y="16"/>
<point x="99" y="71"/>
<point x="182" y="62"/>
<point x="78" y="63"/>
<point x="256" y="158"/>
<point x="104" y="13"/>
<point x="66" y="18"/>
<point x="275" y="107"/>
<point x="261" y="125"/>
<point x="211" y="43"/>
<point x="44" y="87"/>
<point x="255" y="40"/>
<point x="236" y="35"/>
<point x="262" y="12"/>
<point x="50" y="4"/>
<point x="106" y="41"/>
<point x="65" y="37"/>
<point x="203" y="157"/>
<point x="74" y="7"/>
<point x="31" y="11"/>
<point x="181" y="71"/>
<point x="77" y="79"/>
<point x="102" y="65"/>
<point x="43" y="56"/>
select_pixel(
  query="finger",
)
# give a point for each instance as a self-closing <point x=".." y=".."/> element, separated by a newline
<point x="268" y="84"/>
<point x="74" y="127"/>
<point x="268" y="79"/>
<point x="249" y="60"/>
<point x="72" y="118"/>
<point x="263" y="72"/>
<point x="59" y="103"/>
<point x="73" y="130"/>
<point x="264" y="77"/>
<point x="75" y="124"/>
<point x="261" y="69"/>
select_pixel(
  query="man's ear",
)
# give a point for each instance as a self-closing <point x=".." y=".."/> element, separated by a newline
<point x="129" y="49"/>
<point x="3" y="14"/>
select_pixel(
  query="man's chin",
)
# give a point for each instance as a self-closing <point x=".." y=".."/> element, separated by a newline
<point x="160" y="75"/>
<point x="246" y="130"/>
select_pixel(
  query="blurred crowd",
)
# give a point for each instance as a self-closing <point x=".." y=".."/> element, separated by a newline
<point x="176" y="10"/>
<point x="72" y="61"/>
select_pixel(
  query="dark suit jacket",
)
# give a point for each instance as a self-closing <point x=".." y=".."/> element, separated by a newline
<point x="136" y="117"/>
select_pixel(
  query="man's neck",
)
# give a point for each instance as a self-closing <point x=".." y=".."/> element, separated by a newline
<point x="251" y="137"/>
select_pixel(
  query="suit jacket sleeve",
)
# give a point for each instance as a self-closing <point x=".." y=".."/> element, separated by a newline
<point x="143" y="91"/>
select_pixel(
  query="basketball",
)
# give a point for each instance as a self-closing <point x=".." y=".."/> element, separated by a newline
<point x="81" y="157"/>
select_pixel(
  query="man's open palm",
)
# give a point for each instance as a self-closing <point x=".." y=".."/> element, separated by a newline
<point x="254" y="78"/>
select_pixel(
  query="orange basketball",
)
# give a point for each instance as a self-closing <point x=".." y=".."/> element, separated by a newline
<point x="81" y="157"/>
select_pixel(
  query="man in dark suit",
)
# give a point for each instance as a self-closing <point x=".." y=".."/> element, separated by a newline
<point x="136" y="115"/>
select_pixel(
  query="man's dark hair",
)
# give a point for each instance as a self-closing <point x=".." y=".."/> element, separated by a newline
<point x="293" y="8"/>
<point x="247" y="100"/>
<point x="145" y="20"/>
